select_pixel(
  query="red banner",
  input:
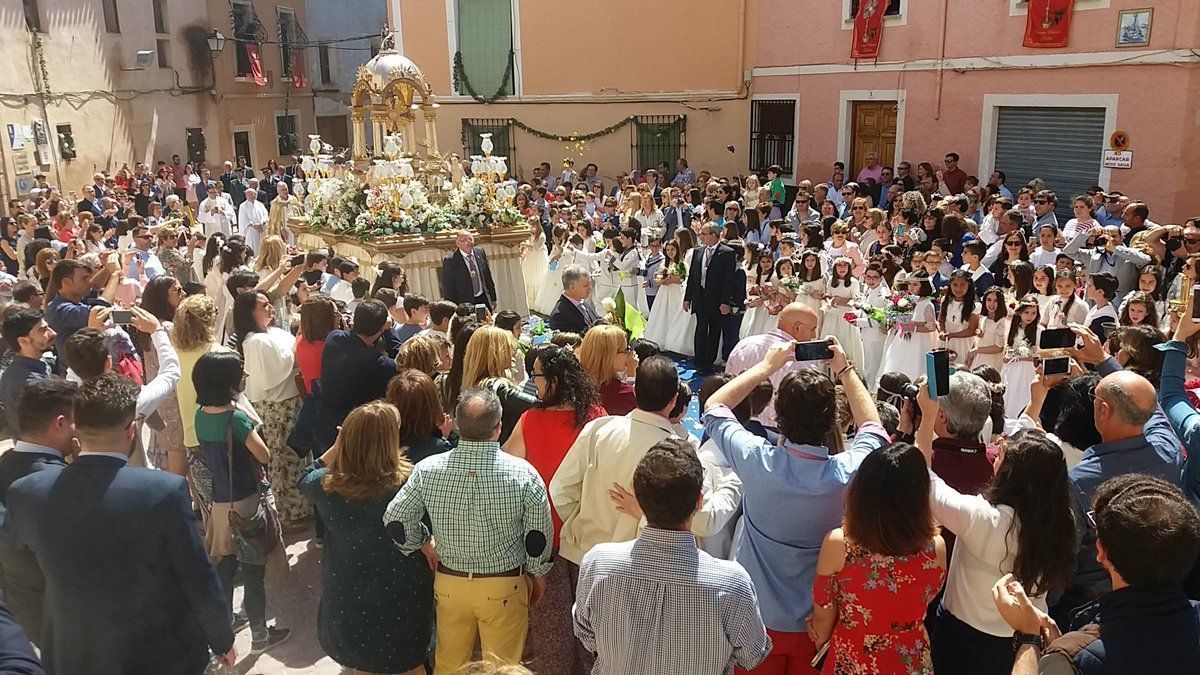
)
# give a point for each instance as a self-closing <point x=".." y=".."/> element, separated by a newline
<point x="1048" y="23"/>
<point x="299" y="79"/>
<point x="868" y="29"/>
<point x="255" y="57"/>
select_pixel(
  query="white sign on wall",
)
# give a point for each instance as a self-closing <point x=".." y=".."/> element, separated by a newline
<point x="1118" y="160"/>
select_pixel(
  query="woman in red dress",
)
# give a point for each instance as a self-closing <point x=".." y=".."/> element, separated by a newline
<point x="567" y="400"/>
<point x="878" y="572"/>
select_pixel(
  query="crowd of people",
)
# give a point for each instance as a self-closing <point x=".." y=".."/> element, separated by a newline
<point x="185" y="387"/>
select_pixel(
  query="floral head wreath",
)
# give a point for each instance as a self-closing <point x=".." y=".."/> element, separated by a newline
<point x="842" y="259"/>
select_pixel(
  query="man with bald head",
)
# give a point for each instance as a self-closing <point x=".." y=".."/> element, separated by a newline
<point x="796" y="322"/>
<point x="1136" y="438"/>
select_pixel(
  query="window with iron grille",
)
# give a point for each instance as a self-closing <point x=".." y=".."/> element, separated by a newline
<point x="893" y="9"/>
<point x="772" y="134"/>
<point x="288" y="137"/>
<point x="287" y="38"/>
<point x="503" y="142"/>
<point x="658" y="139"/>
<point x="244" y="26"/>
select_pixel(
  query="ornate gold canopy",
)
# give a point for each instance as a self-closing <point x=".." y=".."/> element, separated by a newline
<point x="388" y="91"/>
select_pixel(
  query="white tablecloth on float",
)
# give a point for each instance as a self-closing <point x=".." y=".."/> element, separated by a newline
<point x="424" y="267"/>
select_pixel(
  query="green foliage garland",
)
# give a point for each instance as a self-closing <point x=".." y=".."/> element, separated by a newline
<point x="461" y="82"/>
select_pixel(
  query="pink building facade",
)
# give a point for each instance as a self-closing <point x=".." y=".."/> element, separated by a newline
<point x="954" y="77"/>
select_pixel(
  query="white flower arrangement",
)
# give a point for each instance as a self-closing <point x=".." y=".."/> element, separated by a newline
<point x="609" y="305"/>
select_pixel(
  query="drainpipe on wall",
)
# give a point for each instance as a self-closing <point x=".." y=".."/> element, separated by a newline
<point x="937" y="105"/>
<point x="742" y="89"/>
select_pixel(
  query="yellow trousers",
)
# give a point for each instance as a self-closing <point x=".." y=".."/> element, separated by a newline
<point x="494" y="609"/>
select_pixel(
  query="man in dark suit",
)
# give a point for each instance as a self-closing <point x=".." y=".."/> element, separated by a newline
<point x="466" y="277"/>
<point x="46" y="440"/>
<point x="731" y="323"/>
<point x="709" y="294"/>
<point x="572" y="312"/>
<point x="676" y="216"/>
<point x="129" y="585"/>
<point x="354" y="370"/>
<point x="90" y="202"/>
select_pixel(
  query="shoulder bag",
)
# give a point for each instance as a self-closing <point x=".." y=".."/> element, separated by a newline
<point x="255" y="537"/>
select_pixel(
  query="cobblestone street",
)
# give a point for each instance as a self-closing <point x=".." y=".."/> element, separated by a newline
<point x="291" y="605"/>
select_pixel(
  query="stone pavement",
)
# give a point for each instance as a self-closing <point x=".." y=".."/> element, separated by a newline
<point x="292" y="604"/>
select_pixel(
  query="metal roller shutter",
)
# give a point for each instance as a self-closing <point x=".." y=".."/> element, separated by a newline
<point x="1062" y="146"/>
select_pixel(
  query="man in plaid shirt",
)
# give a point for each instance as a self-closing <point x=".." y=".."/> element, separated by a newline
<point x="491" y="526"/>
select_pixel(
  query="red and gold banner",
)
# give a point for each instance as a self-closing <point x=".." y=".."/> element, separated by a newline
<point x="868" y="29"/>
<point x="256" y="69"/>
<point x="1048" y="23"/>
<point x="299" y="79"/>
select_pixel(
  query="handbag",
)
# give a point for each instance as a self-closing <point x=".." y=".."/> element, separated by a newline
<point x="302" y="438"/>
<point x="254" y="537"/>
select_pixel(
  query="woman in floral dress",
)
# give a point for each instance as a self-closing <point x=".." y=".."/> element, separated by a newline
<point x="877" y="573"/>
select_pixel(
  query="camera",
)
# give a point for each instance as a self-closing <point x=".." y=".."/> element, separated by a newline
<point x="910" y="391"/>
<point x="1101" y="241"/>
<point x="1173" y="244"/>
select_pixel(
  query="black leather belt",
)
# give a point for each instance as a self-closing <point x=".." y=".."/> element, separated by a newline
<point x="516" y="572"/>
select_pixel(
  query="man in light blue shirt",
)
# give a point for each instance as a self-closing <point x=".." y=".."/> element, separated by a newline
<point x="657" y="603"/>
<point x="793" y="491"/>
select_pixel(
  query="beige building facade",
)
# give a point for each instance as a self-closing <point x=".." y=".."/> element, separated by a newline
<point x="272" y="120"/>
<point x="90" y="85"/>
<point x="672" y="80"/>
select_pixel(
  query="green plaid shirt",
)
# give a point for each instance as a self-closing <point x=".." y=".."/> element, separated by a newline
<point x="488" y="509"/>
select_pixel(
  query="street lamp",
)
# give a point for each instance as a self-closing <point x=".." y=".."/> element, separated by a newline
<point x="216" y="41"/>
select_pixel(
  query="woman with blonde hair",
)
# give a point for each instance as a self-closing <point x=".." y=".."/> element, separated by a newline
<point x="488" y="363"/>
<point x="376" y="612"/>
<point x="420" y="352"/>
<point x="606" y="356"/>
<point x="193" y="335"/>
<point x="278" y="278"/>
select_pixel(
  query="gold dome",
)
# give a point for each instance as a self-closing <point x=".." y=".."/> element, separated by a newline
<point x="388" y="66"/>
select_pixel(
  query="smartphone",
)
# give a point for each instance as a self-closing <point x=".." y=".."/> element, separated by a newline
<point x="937" y="370"/>
<point x="1057" y="338"/>
<point x="1059" y="365"/>
<point x="480" y="312"/>
<point x="819" y="658"/>
<point x="121" y="317"/>
<point x="298" y="260"/>
<point x="815" y="350"/>
<point x="1196" y="302"/>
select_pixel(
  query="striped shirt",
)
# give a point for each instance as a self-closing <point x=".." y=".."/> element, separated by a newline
<point x="488" y="509"/>
<point x="659" y="605"/>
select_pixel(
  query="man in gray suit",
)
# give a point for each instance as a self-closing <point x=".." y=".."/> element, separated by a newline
<point x="1108" y="254"/>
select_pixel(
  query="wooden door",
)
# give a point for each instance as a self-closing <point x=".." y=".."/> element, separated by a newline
<point x="873" y="129"/>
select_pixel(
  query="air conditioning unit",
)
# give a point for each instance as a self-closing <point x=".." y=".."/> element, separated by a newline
<point x="142" y="60"/>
